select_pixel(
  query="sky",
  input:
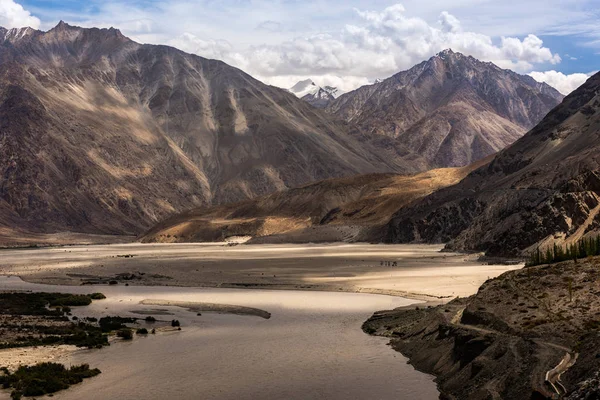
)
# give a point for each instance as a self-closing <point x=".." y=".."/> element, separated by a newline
<point x="346" y="43"/>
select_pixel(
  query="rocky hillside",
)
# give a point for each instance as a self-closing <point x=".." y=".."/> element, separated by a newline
<point x="451" y="109"/>
<point x="543" y="189"/>
<point x="101" y="134"/>
<point x="528" y="334"/>
<point x="341" y="209"/>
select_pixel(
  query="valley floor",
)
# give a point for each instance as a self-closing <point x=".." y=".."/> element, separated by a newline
<point x="415" y="271"/>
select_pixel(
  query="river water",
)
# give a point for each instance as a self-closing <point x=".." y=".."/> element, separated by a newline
<point x="311" y="348"/>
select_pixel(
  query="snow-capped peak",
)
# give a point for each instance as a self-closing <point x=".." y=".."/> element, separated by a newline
<point x="309" y="87"/>
<point x="304" y="88"/>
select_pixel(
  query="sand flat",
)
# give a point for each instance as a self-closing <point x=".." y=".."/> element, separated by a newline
<point x="416" y="271"/>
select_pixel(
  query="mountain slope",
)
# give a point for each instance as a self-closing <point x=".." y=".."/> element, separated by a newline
<point x="314" y="95"/>
<point x="101" y="134"/>
<point x="545" y="188"/>
<point x="451" y="109"/>
<point x="340" y="209"/>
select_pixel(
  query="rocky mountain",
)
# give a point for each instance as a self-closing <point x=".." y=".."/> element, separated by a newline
<point x="543" y="189"/>
<point x="451" y="109"/>
<point x="101" y="134"/>
<point x="315" y="95"/>
<point x="333" y="210"/>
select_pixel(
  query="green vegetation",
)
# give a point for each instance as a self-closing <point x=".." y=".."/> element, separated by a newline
<point x="125" y="334"/>
<point x="142" y="331"/>
<point x="582" y="249"/>
<point x="80" y="335"/>
<point x="109" y="324"/>
<point x="44" y="378"/>
<point x="175" y="323"/>
<point x="71" y="300"/>
<point x="50" y="325"/>
<point x="150" y="319"/>
<point x="37" y="303"/>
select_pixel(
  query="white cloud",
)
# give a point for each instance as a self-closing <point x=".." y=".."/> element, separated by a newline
<point x="13" y="15"/>
<point x="214" y="49"/>
<point x="281" y="40"/>
<point x="379" y="45"/>
<point x="561" y="82"/>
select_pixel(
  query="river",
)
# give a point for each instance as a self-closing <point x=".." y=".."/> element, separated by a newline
<point x="312" y="347"/>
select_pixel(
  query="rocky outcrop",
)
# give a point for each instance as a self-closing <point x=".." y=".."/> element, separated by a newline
<point x="543" y="189"/>
<point x="508" y="340"/>
<point x="451" y="109"/>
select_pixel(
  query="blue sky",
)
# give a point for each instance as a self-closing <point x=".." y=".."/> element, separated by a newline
<point x="347" y="43"/>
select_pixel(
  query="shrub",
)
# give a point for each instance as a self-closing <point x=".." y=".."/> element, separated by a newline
<point x="71" y="300"/>
<point x="175" y="323"/>
<point x="142" y="331"/>
<point x="150" y="319"/>
<point x="97" y="296"/>
<point x="125" y="334"/>
<point x="44" y="378"/>
<point x="108" y="324"/>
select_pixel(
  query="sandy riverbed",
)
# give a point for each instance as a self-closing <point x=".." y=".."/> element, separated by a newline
<point x="421" y="271"/>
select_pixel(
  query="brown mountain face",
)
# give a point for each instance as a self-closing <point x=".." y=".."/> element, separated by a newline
<point x="101" y="134"/>
<point x="543" y="189"/>
<point x="339" y="209"/>
<point x="451" y="109"/>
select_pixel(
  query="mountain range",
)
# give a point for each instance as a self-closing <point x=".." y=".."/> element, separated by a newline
<point x="544" y="189"/>
<point x="101" y="134"/>
<point x="451" y="109"/>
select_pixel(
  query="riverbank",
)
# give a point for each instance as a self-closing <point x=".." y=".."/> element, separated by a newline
<point x="532" y="333"/>
<point x="419" y="272"/>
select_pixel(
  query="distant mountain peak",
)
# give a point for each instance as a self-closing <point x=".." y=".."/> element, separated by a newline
<point x="318" y="96"/>
<point x="64" y="28"/>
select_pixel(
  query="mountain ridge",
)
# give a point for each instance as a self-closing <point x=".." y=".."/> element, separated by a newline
<point x="105" y="135"/>
<point x="453" y="109"/>
<point x="542" y="190"/>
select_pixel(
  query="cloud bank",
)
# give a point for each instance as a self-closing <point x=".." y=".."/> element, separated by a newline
<point x="344" y="45"/>
<point x="561" y="82"/>
<point x="13" y="15"/>
<point x="381" y="44"/>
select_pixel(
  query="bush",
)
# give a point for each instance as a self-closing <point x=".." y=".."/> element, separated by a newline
<point x="125" y="334"/>
<point x="71" y="300"/>
<point x="175" y="323"/>
<point x="142" y="331"/>
<point x="44" y="378"/>
<point x="108" y="324"/>
<point x="150" y="319"/>
<point x="97" y="296"/>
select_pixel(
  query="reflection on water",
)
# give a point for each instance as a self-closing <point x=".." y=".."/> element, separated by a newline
<point x="311" y="348"/>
